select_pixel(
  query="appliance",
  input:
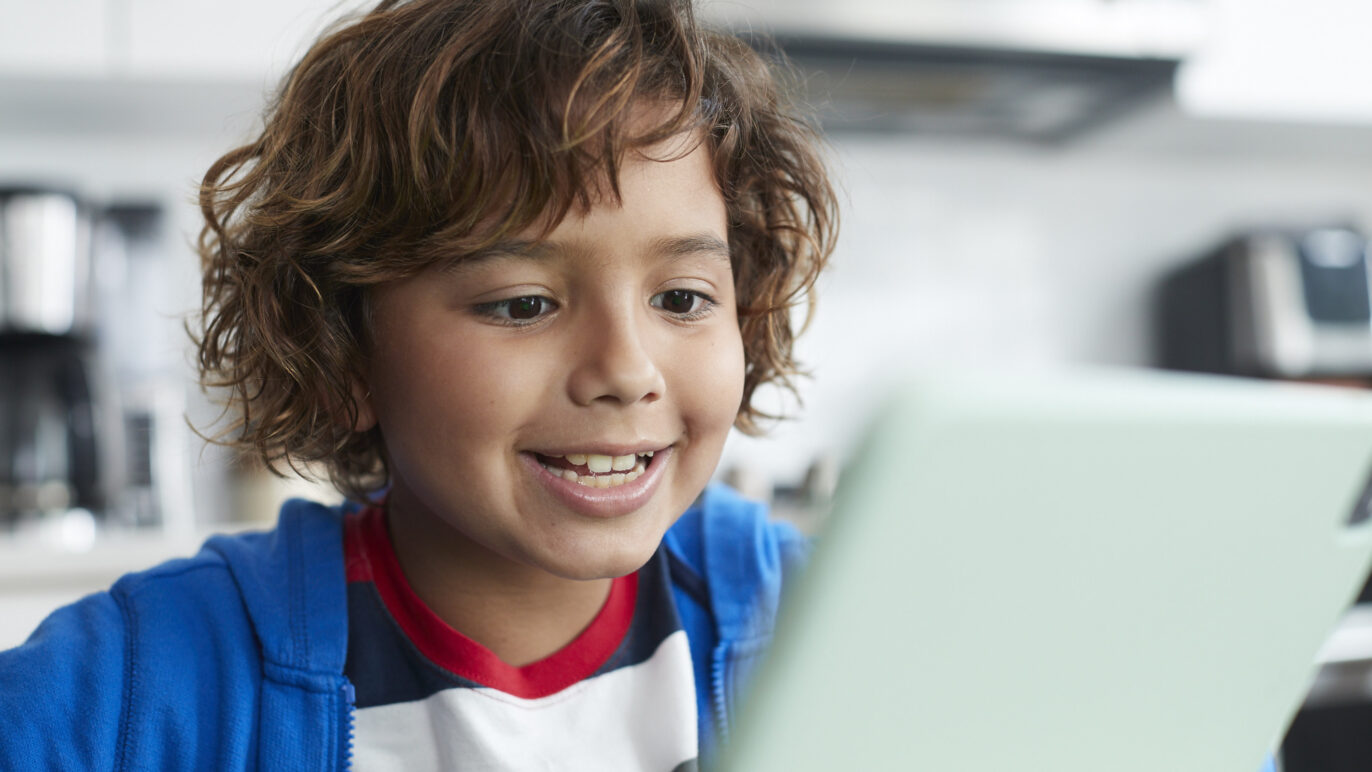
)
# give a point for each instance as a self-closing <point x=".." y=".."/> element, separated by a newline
<point x="1277" y="303"/>
<point x="1040" y="72"/>
<point x="92" y="382"/>
<point x="48" y="443"/>
<point x="45" y="262"/>
<point x="50" y="454"/>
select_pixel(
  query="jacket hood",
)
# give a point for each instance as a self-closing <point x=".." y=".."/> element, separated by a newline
<point x="293" y="586"/>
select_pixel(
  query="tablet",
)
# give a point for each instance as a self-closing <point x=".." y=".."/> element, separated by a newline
<point x="1076" y="571"/>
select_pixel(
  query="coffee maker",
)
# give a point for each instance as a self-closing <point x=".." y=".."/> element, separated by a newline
<point x="52" y="463"/>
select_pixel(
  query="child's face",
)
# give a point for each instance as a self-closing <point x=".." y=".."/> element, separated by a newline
<point x="617" y="336"/>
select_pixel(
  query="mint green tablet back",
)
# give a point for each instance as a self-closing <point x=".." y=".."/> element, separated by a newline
<point x="1082" y="572"/>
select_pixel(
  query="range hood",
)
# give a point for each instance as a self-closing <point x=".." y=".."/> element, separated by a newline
<point x="1041" y="71"/>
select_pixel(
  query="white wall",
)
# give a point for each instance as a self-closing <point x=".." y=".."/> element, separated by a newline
<point x="983" y="254"/>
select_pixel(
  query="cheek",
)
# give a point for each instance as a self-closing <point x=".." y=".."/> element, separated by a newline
<point x="715" y="379"/>
<point x="446" y="394"/>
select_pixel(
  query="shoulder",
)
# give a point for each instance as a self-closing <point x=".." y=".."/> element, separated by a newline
<point x="71" y="692"/>
<point x="725" y="532"/>
<point x="60" y="692"/>
<point x="179" y="582"/>
<point x="173" y="655"/>
<point x="739" y="555"/>
<point x="101" y="624"/>
<point x="229" y="576"/>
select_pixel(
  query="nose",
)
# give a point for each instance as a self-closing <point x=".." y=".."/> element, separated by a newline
<point x="615" y="364"/>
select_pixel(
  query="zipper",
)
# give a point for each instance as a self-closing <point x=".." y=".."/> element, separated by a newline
<point x="349" y="708"/>
<point x="719" y="667"/>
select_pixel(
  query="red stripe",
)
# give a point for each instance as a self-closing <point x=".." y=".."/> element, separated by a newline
<point x="370" y="556"/>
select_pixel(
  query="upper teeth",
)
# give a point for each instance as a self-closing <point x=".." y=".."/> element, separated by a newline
<point x="600" y="464"/>
<point x="626" y="468"/>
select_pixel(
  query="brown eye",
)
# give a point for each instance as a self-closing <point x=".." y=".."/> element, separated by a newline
<point x="519" y="311"/>
<point x="679" y="302"/>
<point x="527" y="308"/>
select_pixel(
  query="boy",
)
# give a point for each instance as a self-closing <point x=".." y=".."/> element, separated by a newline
<point x="509" y="269"/>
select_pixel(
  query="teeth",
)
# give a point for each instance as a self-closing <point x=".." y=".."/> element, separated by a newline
<point x="598" y="463"/>
<point x="601" y="480"/>
<point x="604" y="471"/>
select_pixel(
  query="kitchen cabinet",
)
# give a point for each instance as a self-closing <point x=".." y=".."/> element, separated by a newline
<point x="149" y="67"/>
<point x="54" y="38"/>
<point x="240" y="39"/>
<point x="1283" y="60"/>
<point x="159" y="40"/>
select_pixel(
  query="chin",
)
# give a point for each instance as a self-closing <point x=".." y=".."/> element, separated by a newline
<point x="602" y="565"/>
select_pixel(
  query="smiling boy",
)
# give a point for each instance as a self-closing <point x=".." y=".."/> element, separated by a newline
<point x="510" y="270"/>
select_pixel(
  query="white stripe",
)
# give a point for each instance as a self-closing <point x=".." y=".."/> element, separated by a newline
<point x="635" y="718"/>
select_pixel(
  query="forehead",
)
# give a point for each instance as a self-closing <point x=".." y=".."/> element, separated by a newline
<point x="662" y="200"/>
<point x="683" y="158"/>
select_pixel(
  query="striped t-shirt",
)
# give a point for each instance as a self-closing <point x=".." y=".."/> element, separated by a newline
<point x="621" y="696"/>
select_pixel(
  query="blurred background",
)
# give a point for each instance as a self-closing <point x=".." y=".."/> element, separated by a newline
<point x="1179" y="183"/>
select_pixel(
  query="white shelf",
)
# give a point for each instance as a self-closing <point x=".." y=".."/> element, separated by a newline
<point x="29" y="565"/>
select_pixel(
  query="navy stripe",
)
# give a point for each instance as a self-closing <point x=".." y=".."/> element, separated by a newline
<point x="686" y="578"/>
<point x="383" y="666"/>
<point x="655" y="617"/>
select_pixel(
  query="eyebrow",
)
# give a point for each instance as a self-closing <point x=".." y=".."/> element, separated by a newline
<point x="672" y="247"/>
<point x="686" y="246"/>
<point x="517" y="248"/>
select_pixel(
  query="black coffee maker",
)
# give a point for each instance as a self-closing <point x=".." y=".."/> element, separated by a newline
<point x="51" y="461"/>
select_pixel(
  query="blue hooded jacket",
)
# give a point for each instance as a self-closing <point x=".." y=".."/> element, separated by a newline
<point x="233" y="658"/>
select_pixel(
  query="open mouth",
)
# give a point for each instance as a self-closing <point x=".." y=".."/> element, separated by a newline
<point x="597" y="471"/>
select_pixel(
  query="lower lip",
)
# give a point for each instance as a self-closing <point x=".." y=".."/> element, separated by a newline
<point x="618" y="501"/>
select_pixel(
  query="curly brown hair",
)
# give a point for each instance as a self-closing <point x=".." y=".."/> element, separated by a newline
<point x="427" y="129"/>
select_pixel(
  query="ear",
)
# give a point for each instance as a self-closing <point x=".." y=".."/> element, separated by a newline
<point x="362" y="400"/>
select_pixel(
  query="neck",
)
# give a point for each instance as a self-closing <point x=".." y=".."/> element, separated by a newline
<point x="519" y="613"/>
